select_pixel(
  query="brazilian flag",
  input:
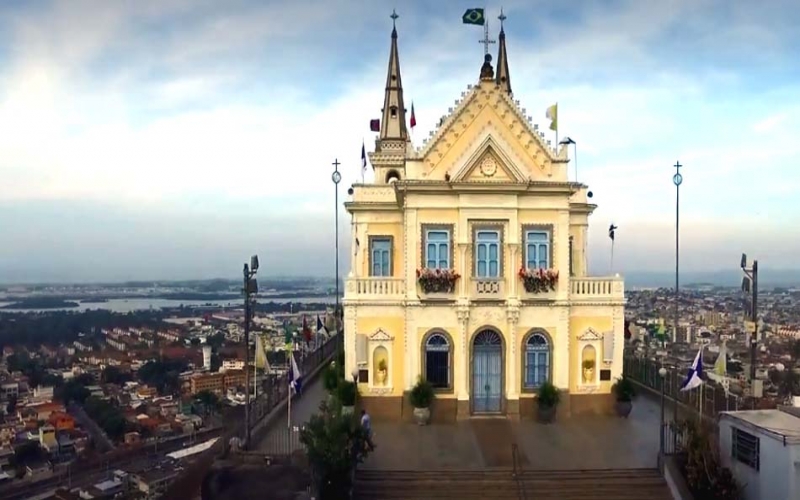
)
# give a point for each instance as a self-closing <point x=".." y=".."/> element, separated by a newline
<point x="473" y="16"/>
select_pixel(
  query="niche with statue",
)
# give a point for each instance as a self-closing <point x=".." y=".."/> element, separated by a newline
<point x="380" y="363"/>
<point x="589" y="364"/>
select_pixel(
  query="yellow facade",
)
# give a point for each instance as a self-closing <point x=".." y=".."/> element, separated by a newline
<point x="485" y="197"/>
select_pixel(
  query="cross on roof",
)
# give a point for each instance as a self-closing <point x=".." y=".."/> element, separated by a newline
<point x="394" y="17"/>
<point x="502" y="17"/>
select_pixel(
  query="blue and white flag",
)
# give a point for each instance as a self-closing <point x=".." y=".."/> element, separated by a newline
<point x="694" y="378"/>
<point x="295" y="377"/>
<point x="321" y="327"/>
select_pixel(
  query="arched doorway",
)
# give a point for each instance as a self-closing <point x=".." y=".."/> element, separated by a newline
<point x="487" y="372"/>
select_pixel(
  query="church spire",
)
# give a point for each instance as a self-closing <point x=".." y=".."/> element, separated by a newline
<point x="503" y="77"/>
<point x="393" y="124"/>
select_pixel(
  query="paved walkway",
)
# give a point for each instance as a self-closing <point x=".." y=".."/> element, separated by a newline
<point x="279" y="439"/>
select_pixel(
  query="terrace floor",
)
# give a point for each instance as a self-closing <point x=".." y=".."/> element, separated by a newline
<point x="481" y="443"/>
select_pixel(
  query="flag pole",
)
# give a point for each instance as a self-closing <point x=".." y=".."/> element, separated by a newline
<point x="612" y="256"/>
<point x="289" y="403"/>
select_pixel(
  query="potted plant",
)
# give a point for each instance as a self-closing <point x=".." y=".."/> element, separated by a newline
<point x="421" y="398"/>
<point x="588" y="371"/>
<point x="539" y="280"/>
<point x="330" y="378"/>
<point x="624" y="392"/>
<point x="346" y="393"/>
<point x="547" y="398"/>
<point x="437" y="280"/>
<point x="380" y="378"/>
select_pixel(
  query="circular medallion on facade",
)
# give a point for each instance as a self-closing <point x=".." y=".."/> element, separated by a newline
<point x="488" y="166"/>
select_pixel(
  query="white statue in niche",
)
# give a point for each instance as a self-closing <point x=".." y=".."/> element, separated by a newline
<point x="589" y="357"/>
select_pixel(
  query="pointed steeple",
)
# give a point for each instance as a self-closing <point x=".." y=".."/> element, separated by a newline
<point x="503" y="78"/>
<point x="393" y="124"/>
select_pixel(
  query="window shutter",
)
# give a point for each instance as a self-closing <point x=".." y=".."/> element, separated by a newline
<point x="361" y="349"/>
<point x="608" y="346"/>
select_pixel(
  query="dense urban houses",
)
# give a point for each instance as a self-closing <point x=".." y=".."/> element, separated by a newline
<point x="470" y="266"/>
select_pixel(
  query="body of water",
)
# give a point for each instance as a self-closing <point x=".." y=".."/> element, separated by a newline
<point x="139" y="304"/>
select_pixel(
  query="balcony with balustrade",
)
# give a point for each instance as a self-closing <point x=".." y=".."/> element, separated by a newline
<point x="377" y="288"/>
<point x="582" y="290"/>
<point x="592" y="290"/>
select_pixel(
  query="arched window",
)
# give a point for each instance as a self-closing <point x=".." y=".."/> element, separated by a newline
<point x="537" y="361"/>
<point x="437" y="361"/>
<point x="392" y="176"/>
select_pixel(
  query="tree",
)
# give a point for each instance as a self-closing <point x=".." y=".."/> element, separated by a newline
<point x="209" y="400"/>
<point x="794" y="350"/>
<point x="113" y="375"/>
<point x="72" y="391"/>
<point x="335" y="443"/>
<point x="216" y="341"/>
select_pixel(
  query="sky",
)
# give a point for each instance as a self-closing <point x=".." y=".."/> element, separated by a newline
<point x="171" y="139"/>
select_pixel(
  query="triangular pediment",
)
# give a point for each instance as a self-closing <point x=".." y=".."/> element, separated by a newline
<point x="485" y="111"/>
<point x="590" y="335"/>
<point x="488" y="163"/>
<point x="380" y="336"/>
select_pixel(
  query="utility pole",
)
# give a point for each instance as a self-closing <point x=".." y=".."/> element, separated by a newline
<point x="250" y="289"/>
<point x="750" y="284"/>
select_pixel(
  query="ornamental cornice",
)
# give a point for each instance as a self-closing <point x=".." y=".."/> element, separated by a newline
<point x="453" y="114"/>
<point x="526" y="121"/>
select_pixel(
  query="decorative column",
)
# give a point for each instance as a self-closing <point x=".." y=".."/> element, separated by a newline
<point x="461" y="364"/>
<point x="463" y="289"/>
<point x="354" y="272"/>
<point x="512" y="380"/>
<point x="513" y="249"/>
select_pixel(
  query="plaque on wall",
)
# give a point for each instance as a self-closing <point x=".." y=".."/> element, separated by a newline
<point x="605" y="375"/>
<point x="363" y="376"/>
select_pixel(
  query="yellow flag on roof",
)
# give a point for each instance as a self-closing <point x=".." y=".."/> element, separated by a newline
<point x="552" y="115"/>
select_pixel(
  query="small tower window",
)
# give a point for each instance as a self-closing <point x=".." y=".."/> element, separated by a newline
<point x="392" y="176"/>
<point x="393" y="111"/>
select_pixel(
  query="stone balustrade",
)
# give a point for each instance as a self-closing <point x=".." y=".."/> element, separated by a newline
<point x="582" y="289"/>
<point x="375" y="287"/>
<point x="594" y="289"/>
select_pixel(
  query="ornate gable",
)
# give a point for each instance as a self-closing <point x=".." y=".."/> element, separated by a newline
<point x="488" y="163"/>
<point x="487" y="111"/>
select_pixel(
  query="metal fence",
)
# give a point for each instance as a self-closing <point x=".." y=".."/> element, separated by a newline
<point x="276" y="392"/>
<point x="709" y="401"/>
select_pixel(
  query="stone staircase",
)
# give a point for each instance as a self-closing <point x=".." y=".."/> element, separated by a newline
<point x="613" y="484"/>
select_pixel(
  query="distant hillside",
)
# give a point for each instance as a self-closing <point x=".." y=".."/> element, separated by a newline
<point x="767" y="278"/>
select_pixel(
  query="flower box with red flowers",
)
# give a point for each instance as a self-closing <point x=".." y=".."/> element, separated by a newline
<point x="539" y="280"/>
<point x="437" y="280"/>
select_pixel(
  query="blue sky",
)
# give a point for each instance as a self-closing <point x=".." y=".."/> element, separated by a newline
<point x="173" y="138"/>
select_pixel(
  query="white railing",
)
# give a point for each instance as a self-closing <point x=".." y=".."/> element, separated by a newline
<point x="375" y="287"/>
<point x="585" y="288"/>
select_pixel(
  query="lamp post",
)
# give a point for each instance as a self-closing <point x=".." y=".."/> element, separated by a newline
<point x="750" y="284"/>
<point x="250" y="289"/>
<point x="354" y="374"/>
<point x="677" y="179"/>
<point x="336" y="177"/>
<point x="662" y="372"/>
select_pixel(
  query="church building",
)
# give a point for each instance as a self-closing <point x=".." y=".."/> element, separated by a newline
<point x="470" y="266"/>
